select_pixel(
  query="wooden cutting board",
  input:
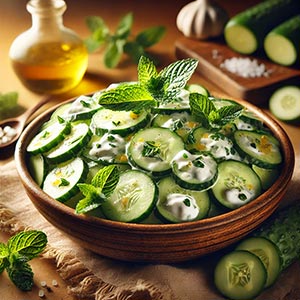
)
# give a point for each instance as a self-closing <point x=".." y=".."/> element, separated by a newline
<point x="211" y="54"/>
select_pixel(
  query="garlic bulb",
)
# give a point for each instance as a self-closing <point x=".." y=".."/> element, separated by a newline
<point x="202" y="19"/>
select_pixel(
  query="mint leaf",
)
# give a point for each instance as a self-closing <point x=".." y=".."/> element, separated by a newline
<point x="176" y="76"/>
<point x="201" y="107"/>
<point x="21" y="275"/>
<point x="228" y="113"/>
<point x="146" y="70"/>
<point x="113" y="53"/>
<point x="106" y="179"/>
<point x="150" y="36"/>
<point x="102" y="185"/>
<point x="4" y="253"/>
<point x="127" y="97"/>
<point x="134" y="50"/>
<point x="27" y="243"/>
<point x="124" y="26"/>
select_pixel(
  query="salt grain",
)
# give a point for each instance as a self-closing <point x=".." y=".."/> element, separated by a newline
<point x="41" y="294"/>
<point x="54" y="282"/>
<point x="7" y="134"/>
<point x="245" y="67"/>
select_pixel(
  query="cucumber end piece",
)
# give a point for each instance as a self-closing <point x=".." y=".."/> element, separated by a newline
<point x="240" y="38"/>
<point x="280" y="49"/>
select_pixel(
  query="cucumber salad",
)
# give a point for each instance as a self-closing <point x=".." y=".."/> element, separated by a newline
<point x="155" y="150"/>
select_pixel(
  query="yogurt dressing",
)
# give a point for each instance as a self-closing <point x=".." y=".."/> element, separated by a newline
<point x="182" y="207"/>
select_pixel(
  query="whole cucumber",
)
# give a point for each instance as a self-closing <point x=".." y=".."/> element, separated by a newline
<point x="246" y="31"/>
<point x="282" y="44"/>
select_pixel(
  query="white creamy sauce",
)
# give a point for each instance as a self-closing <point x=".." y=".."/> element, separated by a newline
<point x="78" y="106"/>
<point x="182" y="207"/>
<point x="220" y="147"/>
<point x="183" y="116"/>
<point x="248" y="143"/>
<point x="189" y="171"/>
<point x="183" y="100"/>
<point x="233" y="196"/>
<point x="108" y="147"/>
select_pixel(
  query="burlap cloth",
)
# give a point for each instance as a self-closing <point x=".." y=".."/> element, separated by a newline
<point x="90" y="276"/>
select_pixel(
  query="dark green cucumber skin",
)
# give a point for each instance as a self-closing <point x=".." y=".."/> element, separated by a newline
<point x="263" y="17"/>
<point x="283" y="229"/>
<point x="290" y="29"/>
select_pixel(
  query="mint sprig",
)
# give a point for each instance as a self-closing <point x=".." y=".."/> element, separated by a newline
<point x="120" y="41"/>
<point x="101" y="186"/>
<point x="153" y="88"/>
<point x="211" y="117"/>
<point x="14" y="256"/>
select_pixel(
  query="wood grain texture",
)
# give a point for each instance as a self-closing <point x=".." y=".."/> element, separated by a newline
<point x="255" y="90"/>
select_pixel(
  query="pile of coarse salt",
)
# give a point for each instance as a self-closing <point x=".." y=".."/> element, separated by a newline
<point x="7" y="134"/>
<point x="245" y="67"/>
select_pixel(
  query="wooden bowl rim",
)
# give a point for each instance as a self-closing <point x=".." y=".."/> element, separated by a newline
<point x="278" y="186"/>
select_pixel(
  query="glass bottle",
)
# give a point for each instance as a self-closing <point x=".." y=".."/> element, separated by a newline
<point x="48" y="58"/>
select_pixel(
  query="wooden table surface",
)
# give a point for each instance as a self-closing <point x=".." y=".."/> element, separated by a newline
<point x="15" y="19"/>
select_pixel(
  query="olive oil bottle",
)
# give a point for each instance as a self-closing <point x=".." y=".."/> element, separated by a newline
<point x="48" y="58"/>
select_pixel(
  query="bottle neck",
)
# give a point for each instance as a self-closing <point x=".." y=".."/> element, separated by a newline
<point x="46" y="15"/>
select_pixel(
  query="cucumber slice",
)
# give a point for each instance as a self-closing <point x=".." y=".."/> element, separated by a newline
<point x="176" y="204"/>
<point x="195" y="172"/>
<point x="133" y="198"/>
<point x="37" y="168"/>
<point x="266" y="176"/>
<point x="49" y="137"/>
<point x="237" y="184"/>
<point x="282" y="43"/>
<point x="284" y="104"/>
<point x="71" y="145"/>
<point x="152" y="149"/>
<point x="245" y="32"/>
<point x="118" y="122"/>
<point x="197" y="88"/>
<point x="240" y="275"/>
<point x="61" y="182"/>
<point x="267" y="252"/>
<point x="259" y="148"/>
<point x="180" y="122"/>
<point x="217" y="144"/>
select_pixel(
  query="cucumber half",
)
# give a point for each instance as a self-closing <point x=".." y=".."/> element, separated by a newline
<point x="282" y="43"/>
<point x="284" y="104"/>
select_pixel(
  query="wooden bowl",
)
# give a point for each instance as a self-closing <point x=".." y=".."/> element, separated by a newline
<point x="157" y="243"/>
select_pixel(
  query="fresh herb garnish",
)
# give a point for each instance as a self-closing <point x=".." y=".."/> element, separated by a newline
<point x="210" y="116"/>
<point x="153" y="88"/>
<point x="8" y="103"/>
<point x="150" y="149"/>
<point x="121" y="41"/>
<point x="102" y="185"/>
<point x="14" y="256"/>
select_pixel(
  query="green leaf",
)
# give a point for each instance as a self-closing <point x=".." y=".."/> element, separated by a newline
<point x="177" y="74"/>
<point x="127" y="97"/>
<point x="8" y="103"/>
<point x="3" y="251"/>
<point x="21" y="275"/>
<point x="201" y="107"/>
<point x="94" y="23"/>
<point x="113" y="53"/>
<point x="146" y="70"/>
<point x="124" y="26"/>
<point x="229" y="113"/>
<point x="150" y="36"/>
<point x="134" y="51"/>
<point x="88" y="204"/>
<point x="27" y="243"/>
<point x="107" y="178"/>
